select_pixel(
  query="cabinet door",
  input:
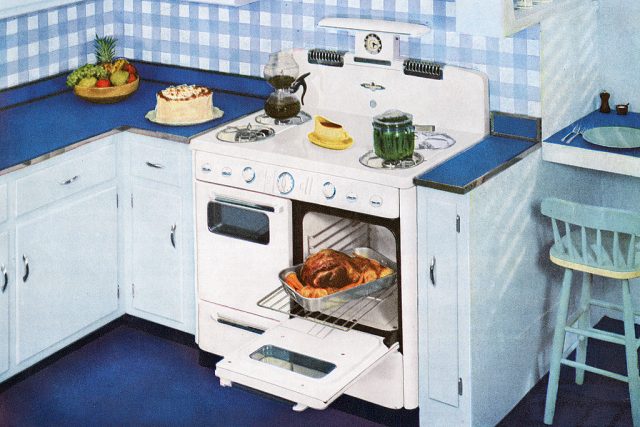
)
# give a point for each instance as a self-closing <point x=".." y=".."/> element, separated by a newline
<point x="4" y="302"/>
<point x="67" y="271"/>
<point x="158" y="287"/>
<point x="441" y="264"/>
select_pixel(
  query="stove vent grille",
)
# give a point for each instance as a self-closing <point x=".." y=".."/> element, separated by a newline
<point x="332" y="58"/>
<point x="421" y="68"/>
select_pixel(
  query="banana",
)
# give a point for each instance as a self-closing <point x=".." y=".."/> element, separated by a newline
<point x="117" y="66"/>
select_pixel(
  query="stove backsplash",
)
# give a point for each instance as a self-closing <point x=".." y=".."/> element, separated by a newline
<point x="200" y="35"/>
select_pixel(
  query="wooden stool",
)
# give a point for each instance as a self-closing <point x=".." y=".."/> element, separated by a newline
<point x="604" y="242"/>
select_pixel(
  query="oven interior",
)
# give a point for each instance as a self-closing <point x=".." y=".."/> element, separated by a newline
<point x="318" y="227"/>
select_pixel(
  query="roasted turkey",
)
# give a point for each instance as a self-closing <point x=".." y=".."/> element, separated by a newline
<point x="330" y="271"/>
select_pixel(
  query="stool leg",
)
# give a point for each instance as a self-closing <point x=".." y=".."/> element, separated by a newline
<point x="583" y="323"/>
<point x="632" y="353"/>
<point x="558" y="346"/>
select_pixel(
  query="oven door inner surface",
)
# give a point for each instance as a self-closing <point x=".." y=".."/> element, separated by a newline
<point x="310" y="370"/>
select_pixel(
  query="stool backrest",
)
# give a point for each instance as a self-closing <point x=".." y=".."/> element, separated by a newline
<point x="594" y="235"/>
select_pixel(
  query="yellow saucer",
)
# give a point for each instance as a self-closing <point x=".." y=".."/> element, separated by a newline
<point x="330" y="144"/>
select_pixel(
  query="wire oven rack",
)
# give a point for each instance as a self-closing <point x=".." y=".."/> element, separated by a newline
<point x="343" y="317"/>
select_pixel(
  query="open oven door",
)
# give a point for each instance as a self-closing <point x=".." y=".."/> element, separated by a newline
<point x="305" y="363"/>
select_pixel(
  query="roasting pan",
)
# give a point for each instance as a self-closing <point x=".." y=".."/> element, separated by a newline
<point x="335" y="301"/>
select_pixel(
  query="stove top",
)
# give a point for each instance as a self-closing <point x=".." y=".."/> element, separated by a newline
<point x="290" y="147"/>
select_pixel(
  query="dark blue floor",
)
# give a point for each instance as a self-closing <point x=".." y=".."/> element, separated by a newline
<point x="599" y="402"/>
<point x="128" y="377"/>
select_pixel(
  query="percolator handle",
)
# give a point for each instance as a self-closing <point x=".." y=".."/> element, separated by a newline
<point x="300" y="82"/>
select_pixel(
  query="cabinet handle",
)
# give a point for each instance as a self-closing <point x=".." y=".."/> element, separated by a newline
<point x="155" y="165"/>
<point x="69" y="181"/>
<point x="25" y="259"/>
<point x="173" y="235"/>
<point x="432" y="271"/>
<point x="3" y="270"/>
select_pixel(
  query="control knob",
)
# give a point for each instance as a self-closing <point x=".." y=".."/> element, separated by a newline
<point x="328" y="190"/>
<point x="248" y="174"/>
<point x="285" y="183"/>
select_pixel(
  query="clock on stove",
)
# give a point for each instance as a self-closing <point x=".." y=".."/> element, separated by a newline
<point x="372" y="43"/>
<point x="376" y="47"/>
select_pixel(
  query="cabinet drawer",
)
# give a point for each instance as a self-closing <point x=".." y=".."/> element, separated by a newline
<point x="156" y="164"/>
<point x="64" y="179"/>
<point x="3" y="203"/>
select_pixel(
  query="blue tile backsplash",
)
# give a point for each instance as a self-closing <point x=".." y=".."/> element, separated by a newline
<point x="238" y="40"/>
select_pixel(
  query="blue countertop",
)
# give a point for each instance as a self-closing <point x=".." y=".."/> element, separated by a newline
<point x="45" y="116"/>
<point x="597" y="119"/>
<point x="582" y="154"/>
<point x="474" y="166"/>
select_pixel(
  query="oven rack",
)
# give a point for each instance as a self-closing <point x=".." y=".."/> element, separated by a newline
<point x="343" y="317"/>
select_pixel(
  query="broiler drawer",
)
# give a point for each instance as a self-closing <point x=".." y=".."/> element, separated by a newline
<point x="309" y="368"/>
<point x="222" y="329"/>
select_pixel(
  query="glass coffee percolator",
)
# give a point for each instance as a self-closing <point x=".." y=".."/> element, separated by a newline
<point x="281" y="72"/>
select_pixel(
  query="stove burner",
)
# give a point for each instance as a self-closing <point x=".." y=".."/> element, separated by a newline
<point x="301" y="118"/>
<point x="433" y="140"/>
<point x="246" y="133"/>
<point x="370" y="160"/>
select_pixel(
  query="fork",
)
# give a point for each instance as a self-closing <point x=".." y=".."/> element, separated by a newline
<point x="573" y="131"/>
<point x="576" y="133"/>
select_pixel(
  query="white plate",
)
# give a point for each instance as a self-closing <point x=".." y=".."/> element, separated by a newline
<point x="217" y="113"/>
<point x="613" y="136"/>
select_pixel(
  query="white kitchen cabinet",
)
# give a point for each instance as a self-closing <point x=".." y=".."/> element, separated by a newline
<point x="18" y="7"/>
<point x="499" y="18"/>
<point x="486" y="319"/>
<point x="160" y="233"/>
<point x="158" y="285"/>
<point x="4" y="302"/>
<point x="441" y="291"/>
<point x="66" y="262"/>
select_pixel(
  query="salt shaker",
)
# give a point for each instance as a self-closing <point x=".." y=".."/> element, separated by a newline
<point x="604" y="102"/>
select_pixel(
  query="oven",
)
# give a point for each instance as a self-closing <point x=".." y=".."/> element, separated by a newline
<point x="258" y="177"/>
<point x="245" y="237"/>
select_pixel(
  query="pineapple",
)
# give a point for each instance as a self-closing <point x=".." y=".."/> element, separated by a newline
<point x="105" y="51"/>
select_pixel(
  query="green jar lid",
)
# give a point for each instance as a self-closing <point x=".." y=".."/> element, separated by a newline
<point x="393" y="118"/>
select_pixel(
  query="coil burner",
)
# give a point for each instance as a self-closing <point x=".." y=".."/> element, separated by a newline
<point x="298" y="119"/>
<point x="246" y="133"/>
<point x="370" y="160"/>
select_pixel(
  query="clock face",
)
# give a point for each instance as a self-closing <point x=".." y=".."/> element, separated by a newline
<point x="372" y="43"/>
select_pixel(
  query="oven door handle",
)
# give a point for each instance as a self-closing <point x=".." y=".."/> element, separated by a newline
<point x="244" y="204"/>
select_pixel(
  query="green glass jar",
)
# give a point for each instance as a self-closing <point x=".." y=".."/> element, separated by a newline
<point x="393" y="135"/>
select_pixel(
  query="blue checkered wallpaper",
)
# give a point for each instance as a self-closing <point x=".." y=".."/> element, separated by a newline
<point x="238" y="40"/>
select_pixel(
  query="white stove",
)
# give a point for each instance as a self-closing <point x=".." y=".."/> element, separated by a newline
<point x="263" y="206"/>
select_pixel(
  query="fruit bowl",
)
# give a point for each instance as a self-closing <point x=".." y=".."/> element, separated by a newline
<point x="107" y="95"/>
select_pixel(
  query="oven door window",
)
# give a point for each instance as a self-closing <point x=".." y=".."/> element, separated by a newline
<point x="239" y="221"/>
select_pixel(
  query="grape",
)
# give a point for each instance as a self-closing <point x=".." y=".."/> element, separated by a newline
<point x="87" y="70"/>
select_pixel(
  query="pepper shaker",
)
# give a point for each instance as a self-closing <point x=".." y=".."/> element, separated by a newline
<point x="604" y="102"/>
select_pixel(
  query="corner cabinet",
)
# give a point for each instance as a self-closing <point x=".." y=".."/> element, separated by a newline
<point x="58" y="253"/>
<point x="161" y="246"/>
<point x="67" y="259"/>
<point x="499" y="18"/>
